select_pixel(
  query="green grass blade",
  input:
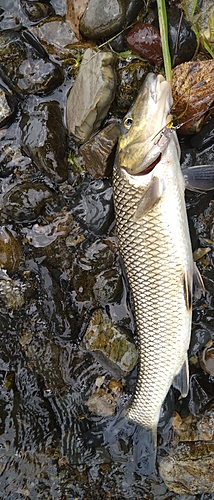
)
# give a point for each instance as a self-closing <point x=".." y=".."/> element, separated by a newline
<point x="163" y="24"/>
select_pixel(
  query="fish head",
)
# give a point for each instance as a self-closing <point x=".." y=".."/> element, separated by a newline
<point x="144" y="135"/>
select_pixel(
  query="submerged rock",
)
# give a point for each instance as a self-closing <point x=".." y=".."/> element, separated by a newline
<point x="24" y="202"/>
<point x="102" y="18"/>
<point x="22" y="68"/>
<point x="86" y="110"/>
<point x="110" y="345"/>
<point x="43" y="138"/>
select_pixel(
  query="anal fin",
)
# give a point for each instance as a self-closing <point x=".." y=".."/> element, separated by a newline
<point x="188" y="290"/>
<point x="181" y="380"/>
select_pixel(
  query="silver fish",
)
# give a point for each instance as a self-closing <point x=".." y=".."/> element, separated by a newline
<point x="155" y="246"/>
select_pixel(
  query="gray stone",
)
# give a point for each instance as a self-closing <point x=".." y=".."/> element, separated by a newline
<point x="91" y="95"/>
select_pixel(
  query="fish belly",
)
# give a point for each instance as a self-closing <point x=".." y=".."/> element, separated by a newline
<point x="156" y="252"/>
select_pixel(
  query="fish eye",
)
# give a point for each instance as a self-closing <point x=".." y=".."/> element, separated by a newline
<point x="127" y="122"/>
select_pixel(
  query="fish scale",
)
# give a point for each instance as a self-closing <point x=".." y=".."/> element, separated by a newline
<point x="155" y="257"/>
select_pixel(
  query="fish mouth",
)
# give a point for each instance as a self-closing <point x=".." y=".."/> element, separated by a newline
<point x="140" y="148"/>
<point x="150" y="167"/>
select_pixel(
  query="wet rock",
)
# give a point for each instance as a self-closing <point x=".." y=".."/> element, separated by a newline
<point x="11" y="292"/>
<point x="206" y="359"/>
<point x="24" y="202"/>
<point x="108" y="286"/>
<point x="86" y="110"/>
<point x="144" y="39"/>
<point x="11" y="159"/>
<point x="56" y="36"/>
<point x="92" y="206"/>
<point x="130" y="76"/>
<point x="194" y="427"/>
<point x="7" y="106"/>
<point x="98" y="152"/>
<point x="41" y="236"/>
<point x="43" y="138"/>
<point x="110" y="345"/>
<point x="182" y="39"/>
<point x="10" y="250"/>
<point x="190" y="469"/>
<point x="102" y="18"/>
<point x="23" y="70"/>
<point x="36" y="11"/>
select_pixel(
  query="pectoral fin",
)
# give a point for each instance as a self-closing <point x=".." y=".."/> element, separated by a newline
<point x="199" y="177"/>
<point x="151" y="196"/>
<point x="181" y="380"/>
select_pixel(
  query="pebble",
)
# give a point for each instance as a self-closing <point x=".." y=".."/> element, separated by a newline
<point x="102" y="18"/>
<point x="144" y="39"/>
<point x="86" y="110"/>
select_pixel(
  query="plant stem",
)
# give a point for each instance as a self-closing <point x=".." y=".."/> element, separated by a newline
<point x="162" y="17"/>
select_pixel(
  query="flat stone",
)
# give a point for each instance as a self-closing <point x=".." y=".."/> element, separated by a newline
<point x="96" y="152"/>
<point x="91" y="95"/>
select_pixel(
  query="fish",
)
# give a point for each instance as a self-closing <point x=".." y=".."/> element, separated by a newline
<point x="155" y="246"/>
